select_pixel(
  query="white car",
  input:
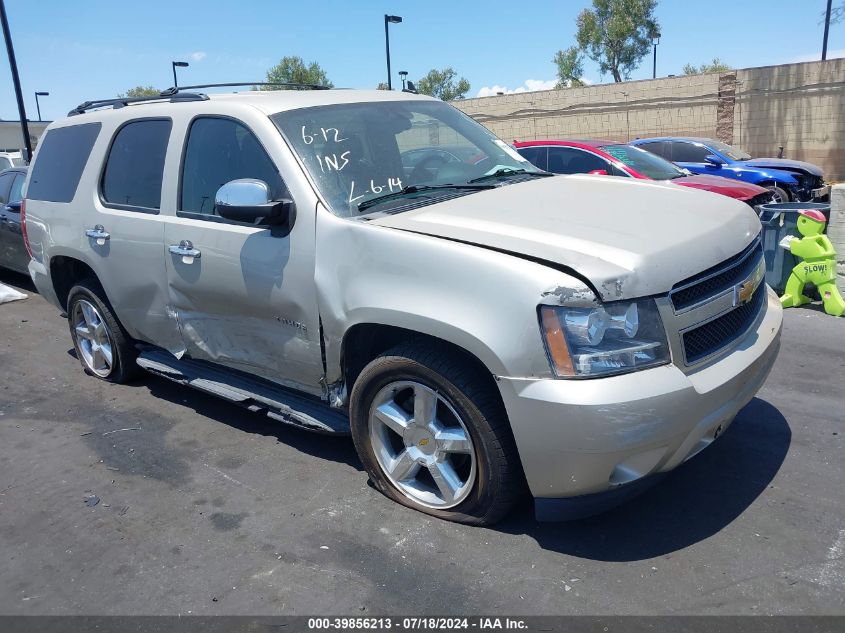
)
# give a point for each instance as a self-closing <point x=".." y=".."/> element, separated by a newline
<point x="11" y="159"/>
<point x="484" y="330"/>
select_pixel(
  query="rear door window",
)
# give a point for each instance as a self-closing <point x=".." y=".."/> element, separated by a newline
<point x="135" y="166"/>
<point x="660" y="148"/>
<point x="5" y="183"/>
<point x="59" y="161"/>
<point x="17" y="187"/>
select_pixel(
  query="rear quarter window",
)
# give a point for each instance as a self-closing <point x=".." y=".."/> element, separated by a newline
<point x="61" y="157"/>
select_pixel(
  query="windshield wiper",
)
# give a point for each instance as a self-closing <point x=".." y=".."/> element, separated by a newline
<point x="508" y="171"/>
<point x="366" y="204"/>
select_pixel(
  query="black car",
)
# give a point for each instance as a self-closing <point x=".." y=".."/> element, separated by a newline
<point x="13" y="253"/>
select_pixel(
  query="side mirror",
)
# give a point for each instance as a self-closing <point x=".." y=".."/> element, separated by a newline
<point x="598" y="172"/>
<point x="248" y="200"/>
<point x="710" y="159"/>
<point x="14" y="206"/>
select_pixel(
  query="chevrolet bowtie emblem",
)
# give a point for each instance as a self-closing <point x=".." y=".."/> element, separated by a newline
<point x="745" y="291"/>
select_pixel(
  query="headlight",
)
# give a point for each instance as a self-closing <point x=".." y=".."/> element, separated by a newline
<point x="612" y="339"/>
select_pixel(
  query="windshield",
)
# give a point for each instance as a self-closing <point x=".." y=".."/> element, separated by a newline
<point x="646" y="163"/>
<point x="731" y="152"/>
<point x="361" y="151"/>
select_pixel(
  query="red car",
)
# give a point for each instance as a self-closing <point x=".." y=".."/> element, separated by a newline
<point x="611" y="158"/>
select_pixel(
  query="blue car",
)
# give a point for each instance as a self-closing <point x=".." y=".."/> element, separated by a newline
<point x="789" y="180"/>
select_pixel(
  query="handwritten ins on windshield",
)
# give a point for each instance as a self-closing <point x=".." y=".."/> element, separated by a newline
<point x="337" y="160"/>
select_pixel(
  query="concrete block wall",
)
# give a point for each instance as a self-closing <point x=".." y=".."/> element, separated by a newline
<point x="797" y="106"/>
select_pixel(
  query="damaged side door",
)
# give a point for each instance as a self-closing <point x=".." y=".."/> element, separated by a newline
<point x="243" y="295"/>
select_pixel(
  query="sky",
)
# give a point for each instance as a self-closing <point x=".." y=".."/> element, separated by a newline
<point x="94" y="49"/>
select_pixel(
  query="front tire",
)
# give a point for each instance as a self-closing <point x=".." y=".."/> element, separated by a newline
<point x="433" y="435"/>
<point x="781" y="195"/>
<point x="102" y="345"/>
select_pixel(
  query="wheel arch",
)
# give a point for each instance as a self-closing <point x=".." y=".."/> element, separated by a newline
<point x="66" y="272"/>
<point x="766" y="183"/>
<point x="363" y="342"/>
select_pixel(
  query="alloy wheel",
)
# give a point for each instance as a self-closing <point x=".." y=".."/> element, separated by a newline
<point x="92" y="338"/>
<point x="422" y="445"/>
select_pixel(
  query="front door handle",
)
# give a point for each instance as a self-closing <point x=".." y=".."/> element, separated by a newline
<point x="98" y="233"/>
<point x="185" y="249"/>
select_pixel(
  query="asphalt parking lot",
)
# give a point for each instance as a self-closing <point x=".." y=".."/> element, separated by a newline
<point x="208" y="509"/>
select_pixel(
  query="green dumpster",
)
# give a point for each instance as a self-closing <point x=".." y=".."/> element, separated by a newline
<point x="779" y="220"/>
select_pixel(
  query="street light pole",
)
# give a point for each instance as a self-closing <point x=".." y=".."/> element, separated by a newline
<point x="180" y="65"/>
<point x="16" y="80"/>
<point x="389" y="19"/>
<point x="826" y="29"/>
<point x="404" y="75"/>
<point x="37" y="105"/>
<point x="655" y="40"/>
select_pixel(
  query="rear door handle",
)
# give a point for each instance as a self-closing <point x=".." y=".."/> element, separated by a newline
<point x="185" y="249"/>
<point x="98" y="233"/>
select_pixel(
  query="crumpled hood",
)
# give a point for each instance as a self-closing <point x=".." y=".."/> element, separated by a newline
<point x="725" y="186"/>
<point x="783" y="163"/>
<point x="630" y="238"/>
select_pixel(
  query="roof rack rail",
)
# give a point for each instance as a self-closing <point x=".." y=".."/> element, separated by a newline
<point x="176" y="94"/>
<point x="121" y="102"/>
<point x="295" y="86"/>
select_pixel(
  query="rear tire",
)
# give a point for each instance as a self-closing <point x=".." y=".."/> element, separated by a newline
<point x="102" y="345"/>
<point x="434" y="436"/>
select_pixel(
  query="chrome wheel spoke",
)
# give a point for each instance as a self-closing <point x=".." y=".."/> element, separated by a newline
<point x="447" y="480"/>
<point x="89" y="315"/>
<point x="105" y="351"/>
<point x="97" y="359"/>
<point x="453" y="440"/>
<point x="100" y="333"/>
<point x="83" y="332"/>
<point x="392" y="417"/>
<point x="403" y="466"/>
<point x="425" y="405"/>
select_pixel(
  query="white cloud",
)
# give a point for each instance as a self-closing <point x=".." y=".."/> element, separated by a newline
<point x="814" y="57"/>
<point x="198" y="56"/>
<point x="530" y="85"/>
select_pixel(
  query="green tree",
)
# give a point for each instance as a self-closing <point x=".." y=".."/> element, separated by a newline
<point x="716" y="66"/>
<point x="141" y="91"/>
<point x="382" y="86"/>
<point x="616" y="34"/>
<point x="570" y="67"/>
<point x="442" y="84"/>
<point x="293" y="70"/>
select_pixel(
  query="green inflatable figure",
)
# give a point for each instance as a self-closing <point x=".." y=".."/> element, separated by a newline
<point x="818" y="267"/>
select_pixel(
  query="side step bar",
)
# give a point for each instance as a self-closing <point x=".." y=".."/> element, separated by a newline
<point x="255" y="394"/>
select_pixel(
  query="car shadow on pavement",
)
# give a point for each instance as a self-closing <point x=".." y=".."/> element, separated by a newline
<point x="17" y="280"/>
<point x="691" y="504"/>
<point x="335" y="448"/>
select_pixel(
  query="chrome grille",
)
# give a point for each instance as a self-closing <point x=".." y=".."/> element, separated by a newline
<point x="707" y="339"/>
<point x="704" y="286"/>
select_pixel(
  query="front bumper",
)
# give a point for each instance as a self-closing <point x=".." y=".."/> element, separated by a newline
<point x="580" y="437"/>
